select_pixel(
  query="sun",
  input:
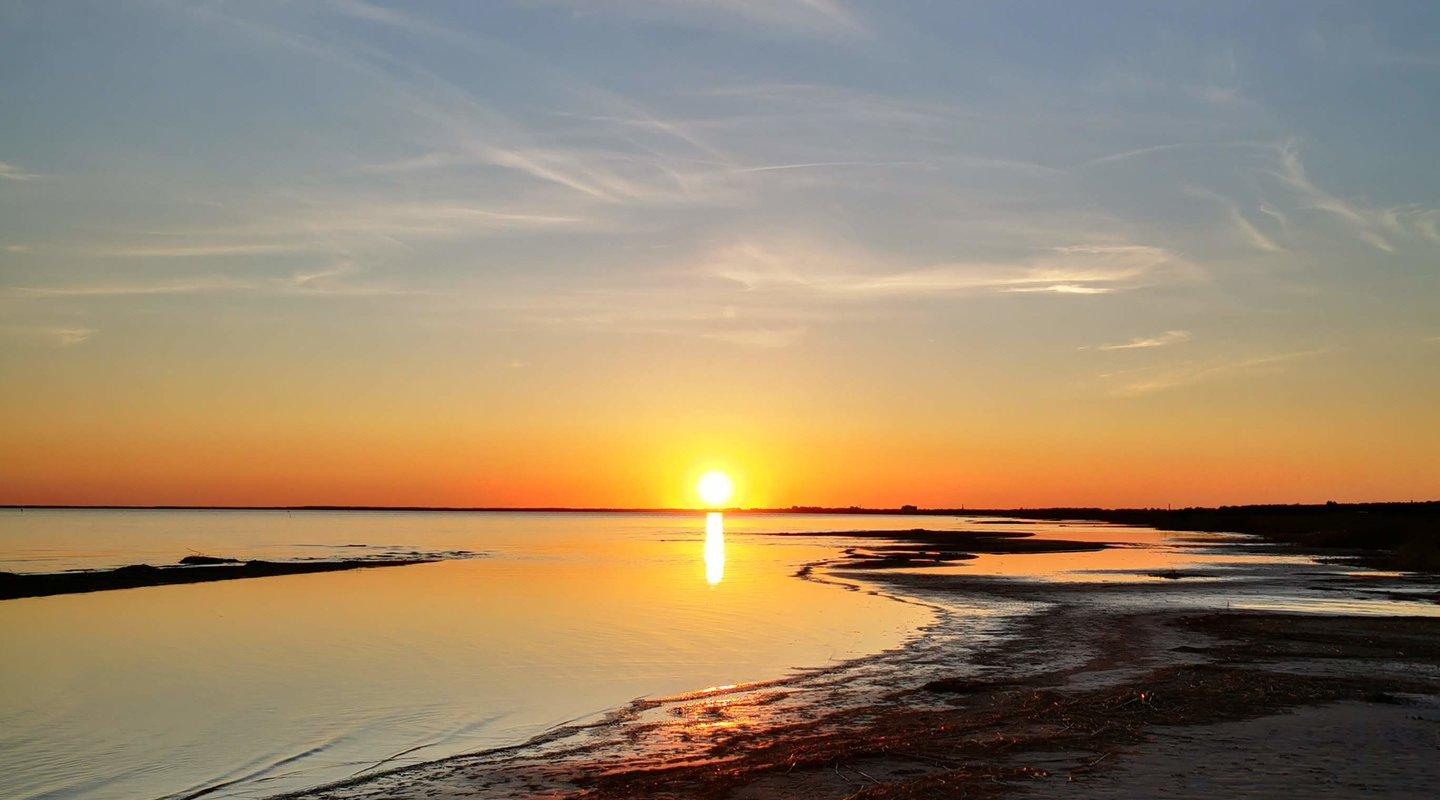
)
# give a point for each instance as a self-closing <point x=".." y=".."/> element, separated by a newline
<point x="715" y="488"/>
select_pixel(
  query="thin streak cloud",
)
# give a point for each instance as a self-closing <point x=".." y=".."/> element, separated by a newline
<point x="824" y="18"/>
<point x="11" y="172"/>
<point x="1071" y="269"/>
<point x="1292" y="172"/>
<point x="823" y="164"/>
<point x="58" y="336"/>
<point x="183" y="250"/>
<point x="195" y="286"/>
<point x="1246" y="229"/>
<point x="1197" y="372"/>
<point x="1164" y="339"/>
<point x="1141" y="152"/>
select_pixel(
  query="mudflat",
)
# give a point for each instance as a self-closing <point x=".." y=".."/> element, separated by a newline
<point x="1102" y="691"/>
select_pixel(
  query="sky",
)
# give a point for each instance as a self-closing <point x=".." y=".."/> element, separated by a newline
<point x="573" y="252"/>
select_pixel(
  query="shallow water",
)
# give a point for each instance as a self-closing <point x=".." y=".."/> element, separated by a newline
<point x="253" y="687"/>
<point x="283" y="683"/>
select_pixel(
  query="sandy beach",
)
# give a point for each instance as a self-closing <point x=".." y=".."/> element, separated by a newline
<point x="1153" y="689"/>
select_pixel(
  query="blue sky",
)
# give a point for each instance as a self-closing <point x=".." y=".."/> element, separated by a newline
<point x="1103" y="204"/>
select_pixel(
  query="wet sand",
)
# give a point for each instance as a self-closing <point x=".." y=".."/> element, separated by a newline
<point x="1134" y="690"/>
<point x="1341" y="750"/>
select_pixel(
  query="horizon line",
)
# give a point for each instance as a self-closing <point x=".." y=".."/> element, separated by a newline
<point x="907" y="509"/>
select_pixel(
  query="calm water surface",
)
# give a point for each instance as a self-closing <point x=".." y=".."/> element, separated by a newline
<point x="253" y="687"/>
<point x="249" y="688"/>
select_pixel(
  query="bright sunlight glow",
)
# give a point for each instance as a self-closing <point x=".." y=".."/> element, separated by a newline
<point x="715" y="488"/>
<point x="714" y="547"/>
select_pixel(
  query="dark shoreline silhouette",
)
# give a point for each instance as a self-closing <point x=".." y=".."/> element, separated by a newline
<point x="1402" y="536"/>
<point x="191" y="569"/>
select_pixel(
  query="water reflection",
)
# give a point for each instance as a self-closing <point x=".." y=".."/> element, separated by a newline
<point x="353" y="667"/>
<point x="714" y="547"/>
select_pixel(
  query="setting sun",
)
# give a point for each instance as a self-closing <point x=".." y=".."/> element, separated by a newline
<point x="715" y="488"/>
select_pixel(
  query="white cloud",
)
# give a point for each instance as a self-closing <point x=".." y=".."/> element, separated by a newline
<point x="1252" y="233"/>
<point x="458" y="127"/>
<point x="1070" y="269"/>
<point x="194" y="250"/>
<point x="1148" y="381"/>
<point x="10" y="172"/>
<point x="338" y="226"/>
<point x="1164" y="339"/>
<point x="198" y="285"/>
<point x="825" y="164"/>
<point x="765" y="338"/>
<point x="808" y="17"/>
<point x="333" y="280"/>
<point x="1060" y="288"/>
<point x="1269" y="200"/>
<point x="1365" y="223"/>
<point x="1142" y="152"/>
<point x="69" y="337"/>
<point x="61" y="336"/>
<point x="1246" y="229"/>
<point x="664" y="311"/>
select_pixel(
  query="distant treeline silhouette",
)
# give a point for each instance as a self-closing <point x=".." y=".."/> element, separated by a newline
<point x="1403" y="535"/>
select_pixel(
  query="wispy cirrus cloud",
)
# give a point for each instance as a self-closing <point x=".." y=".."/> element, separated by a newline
<point x="1161" y="149"/>
<point x="1138" y="382"/>
<point x="941" y="197"/>
<point x="344" y="278"/>
<point x="1067" y="269"/>
<point x="760" y="337"/>
<point x="61" y="336"/>
<point x="341" y="278"/>
<point x="1247" y="230"/>
<point x="1377" y="226"/>
<point x="193" y="249"/>
<point x="773" y="294"/>
<point x="11" y="172"/>
<point x="196" y="285"/>
<point x="668" y="310"/>
<point x="1268" y="198"/>
<point x="1164" y="339"/>
<point x="457" y="127"/>
<point x="826" y="18"/>
<point x="326" y="225"/>
<point x="825" y="165"/>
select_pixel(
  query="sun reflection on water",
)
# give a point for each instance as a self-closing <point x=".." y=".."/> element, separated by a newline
<point x="714" y="547"/>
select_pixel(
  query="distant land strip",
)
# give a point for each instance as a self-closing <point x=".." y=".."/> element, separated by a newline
<point x="1395" y="535"/>
<point x="199" y="569"/>
<point x="1039" y="512"/>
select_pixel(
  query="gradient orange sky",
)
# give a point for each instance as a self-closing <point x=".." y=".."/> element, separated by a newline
<point x="849" y="253"/>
